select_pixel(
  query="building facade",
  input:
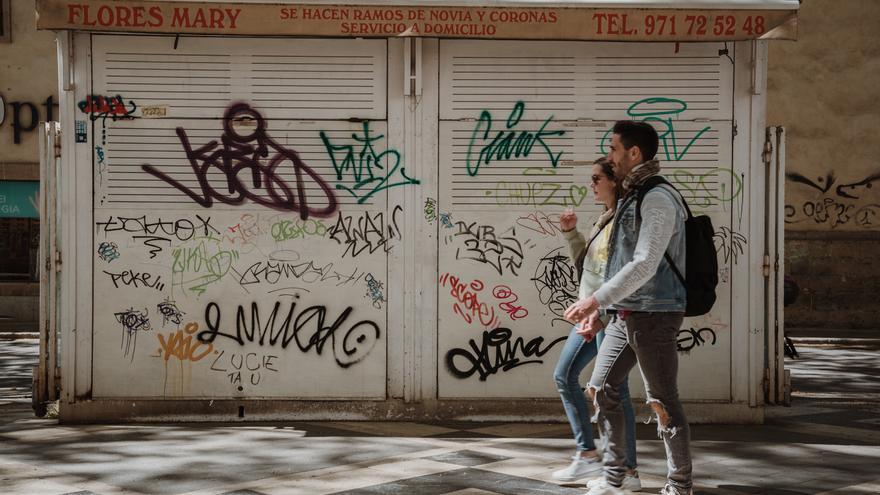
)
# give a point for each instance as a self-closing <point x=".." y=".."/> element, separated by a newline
<point x="28" y="95"/>
<point x="823" y="90"/>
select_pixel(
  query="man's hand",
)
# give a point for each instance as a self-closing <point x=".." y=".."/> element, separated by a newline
<point x="581" y="310"/>
<point x="588" y="329"/>
<point x="568" y="220"/>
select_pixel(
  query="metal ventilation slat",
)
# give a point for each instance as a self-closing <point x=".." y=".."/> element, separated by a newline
<point x="309" y="79"/>
<point x="131" y="144"/>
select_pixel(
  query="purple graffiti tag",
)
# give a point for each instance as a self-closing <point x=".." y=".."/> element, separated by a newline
<point x="241" y="153"/>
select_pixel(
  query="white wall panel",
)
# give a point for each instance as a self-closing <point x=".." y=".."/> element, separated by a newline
<point x="522" y="123"/>
<point x="213" y="276"/>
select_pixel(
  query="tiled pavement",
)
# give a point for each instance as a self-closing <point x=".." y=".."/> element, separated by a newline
<point x="820" y="445"/>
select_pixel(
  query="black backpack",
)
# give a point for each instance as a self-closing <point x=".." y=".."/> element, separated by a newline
<point x="701" y="260"/>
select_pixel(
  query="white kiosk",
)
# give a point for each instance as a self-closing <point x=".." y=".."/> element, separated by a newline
<point x="349" y="210"/>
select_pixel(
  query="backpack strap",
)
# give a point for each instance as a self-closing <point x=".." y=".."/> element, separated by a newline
<point x="641" y="191"/>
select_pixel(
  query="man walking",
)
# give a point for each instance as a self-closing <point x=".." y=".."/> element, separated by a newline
<point x="648" y="300"/>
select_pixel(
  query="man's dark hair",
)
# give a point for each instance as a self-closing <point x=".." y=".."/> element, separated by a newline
<point x="640" y="134"/>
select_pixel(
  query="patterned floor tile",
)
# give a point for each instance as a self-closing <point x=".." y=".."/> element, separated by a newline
<point x="468" y="458"/>
<point x="466" y="479"/>
<point x="392" y="429"/>
<point x="472" y="491"/>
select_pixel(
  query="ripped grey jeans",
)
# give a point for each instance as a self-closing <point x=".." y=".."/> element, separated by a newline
<point x="649" y="340"/>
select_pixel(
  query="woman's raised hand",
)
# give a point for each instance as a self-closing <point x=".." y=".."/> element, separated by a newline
<point x="568" y="220"/>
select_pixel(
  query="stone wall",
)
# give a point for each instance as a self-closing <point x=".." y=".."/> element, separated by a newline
<point x="824" y="89"/>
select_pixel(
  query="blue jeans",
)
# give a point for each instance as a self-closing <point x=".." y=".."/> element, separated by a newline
<point x="576" y="355"/>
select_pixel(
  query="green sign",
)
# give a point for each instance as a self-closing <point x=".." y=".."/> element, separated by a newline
<point x="19" y="199"/>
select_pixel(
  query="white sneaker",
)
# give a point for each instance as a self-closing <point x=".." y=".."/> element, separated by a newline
<point x="668" y="490"/>
<point x="580" y="466"/>
<point x="631" y="482"/>
<point x="601" y="487"/>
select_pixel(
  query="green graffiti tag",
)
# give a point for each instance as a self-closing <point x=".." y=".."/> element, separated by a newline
<point x="657" y="109"/>
<point x="700" y="186"/>
<point x="372" y="172"/>
<point x="509" y="143"/>
<point x="537" y="194"/>
<point x="205" y="260"/>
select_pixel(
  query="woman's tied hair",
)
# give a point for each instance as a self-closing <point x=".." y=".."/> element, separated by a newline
<point x="608" y="170"/>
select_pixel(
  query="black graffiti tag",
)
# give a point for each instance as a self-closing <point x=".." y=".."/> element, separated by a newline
<point x="496" y="352"/>
<point x="368" y="232"/>
<point x="250" y="164"/>
<point x="688" y="338"/>
<point x="306" y="328"/>
<point x="132" y="322"/>
<point x="556" y="281"/>
<point x="169" y="311"/>
<point x="483" y="245"/>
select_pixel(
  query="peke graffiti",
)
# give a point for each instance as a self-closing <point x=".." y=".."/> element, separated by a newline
<point x="849" y="204"/>
<point x="306" y="328"/>
<point x="250" y="161"/>
<point x="370" y="172"/>
<point x="496" y="352"/>
<point x="131" y="278"/>
<point x="509" y="143"/>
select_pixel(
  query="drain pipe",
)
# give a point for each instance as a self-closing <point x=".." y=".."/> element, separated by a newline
<point x="765" y="267"/>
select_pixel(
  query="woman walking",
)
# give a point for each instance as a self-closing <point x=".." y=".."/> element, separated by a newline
<point x="591" y="256"/>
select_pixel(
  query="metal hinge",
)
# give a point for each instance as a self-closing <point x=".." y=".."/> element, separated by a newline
<point x="765" y="268"/>
<point x="57" y="260"/>
<point x="735" y="129"/>
<point x="57" y="144"/>
<point x="768" y="152"/>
